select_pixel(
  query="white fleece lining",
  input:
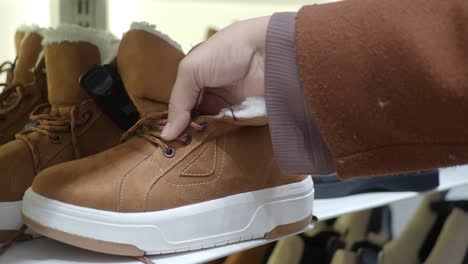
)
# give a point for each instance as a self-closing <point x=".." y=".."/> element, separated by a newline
<point x="30" y="28"/>
<point x="251" y="107"/>
<point x="103" y="40"/>
<point x="27" y="29"/>
<point x="152" y="29"/>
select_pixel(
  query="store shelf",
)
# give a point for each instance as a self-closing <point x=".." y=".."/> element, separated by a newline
<point x="329" y="208"/>
<point x="44" y="250"/>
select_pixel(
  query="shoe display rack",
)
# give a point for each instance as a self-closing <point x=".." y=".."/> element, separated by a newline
<point x="43" y="250"/>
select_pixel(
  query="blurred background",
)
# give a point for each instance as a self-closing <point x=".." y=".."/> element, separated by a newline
<point x="187" y="21"/>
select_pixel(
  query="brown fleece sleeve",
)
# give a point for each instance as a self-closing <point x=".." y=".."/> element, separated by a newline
<point x="387" y="82"/>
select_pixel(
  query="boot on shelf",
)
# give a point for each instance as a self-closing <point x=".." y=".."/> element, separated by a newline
<point x="26" y="87"/>
<point x="218" y="183"/>
<point x="70" y="126"/>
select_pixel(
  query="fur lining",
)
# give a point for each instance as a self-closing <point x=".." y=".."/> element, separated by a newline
<point x="103" y="40"/>
<point x="152" y="29"/>
<point x="27" y="29"/>
<point x="30" y="28"/>
<point x="251" y="107"/>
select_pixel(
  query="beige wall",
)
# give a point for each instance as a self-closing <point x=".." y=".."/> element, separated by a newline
<point x="184" y="20"/>
<point x="187" y="20"/>
<point x="15" y="13"/>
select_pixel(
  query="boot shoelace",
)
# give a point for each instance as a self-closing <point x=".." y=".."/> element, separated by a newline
<point x="150" y="127"/>
<point x="52" y="126"/>
<point x="9" y="94"/>
<point x="19" y="234"/>
<point x="12" y="95"/>
<point x="8" y="67"/>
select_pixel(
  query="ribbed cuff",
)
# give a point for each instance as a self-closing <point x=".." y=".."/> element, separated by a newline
<point x="298" y="145"/>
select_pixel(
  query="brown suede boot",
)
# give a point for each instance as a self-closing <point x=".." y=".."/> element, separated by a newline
<point x="27" y="88"/>
<point x="218" y="183"/>
<point x="68" y="128"/>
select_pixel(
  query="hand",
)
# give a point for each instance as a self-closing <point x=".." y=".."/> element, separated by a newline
<point x="222" y="71"/>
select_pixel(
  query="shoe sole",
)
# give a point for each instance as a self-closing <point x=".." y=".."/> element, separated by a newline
<point x="267" y="213"/>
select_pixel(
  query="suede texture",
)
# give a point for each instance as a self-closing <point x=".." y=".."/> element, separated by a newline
<point x="135" y="176"/>
<point x="19" y="35"/>
<point x="135" y="66"/>
<point x="28" y="74"/>
<point x="386" y="81"/>
<point x="73" y="58"/>
<point x="228" y="157"/>
<point x="94" y="131"/>
<point x="28" y="55"/>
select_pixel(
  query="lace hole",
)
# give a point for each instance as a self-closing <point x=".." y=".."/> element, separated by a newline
<point x="204" y="125"/>
<point x="86" y="116"/>
<point x="56" y="139"/>
<point x="169" y="153"/>
<point x="188" y="139"/>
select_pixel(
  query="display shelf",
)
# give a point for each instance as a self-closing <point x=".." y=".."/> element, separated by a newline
<point x="44" y="250"/>
<point x="329" y="208"/>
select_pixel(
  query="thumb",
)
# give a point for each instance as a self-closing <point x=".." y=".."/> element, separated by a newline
<point x="184" y="96"/>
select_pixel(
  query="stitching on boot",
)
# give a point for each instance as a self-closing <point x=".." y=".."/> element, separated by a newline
<point x="191" y="164"/>
<point x="124" y="179"/>
<point x="221" y="169"/>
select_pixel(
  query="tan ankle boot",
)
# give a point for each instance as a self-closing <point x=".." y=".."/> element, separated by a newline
<point x="218" y="183"/>
<point x="27" y="88"/>
<point x="68" y="128"/>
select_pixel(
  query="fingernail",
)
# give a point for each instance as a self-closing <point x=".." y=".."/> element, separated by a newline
<point x="165" y="132"/>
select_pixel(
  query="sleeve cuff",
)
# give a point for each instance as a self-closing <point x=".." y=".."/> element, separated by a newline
<point x="297" y="143"/>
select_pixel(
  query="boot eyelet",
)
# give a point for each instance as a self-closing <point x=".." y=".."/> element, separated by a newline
<point x="56" y="139"/>
<point x="188" y="139"/>
<point x="169" y="153"/>
<point x="86" y="116"/>
<point x="204" y="126"/>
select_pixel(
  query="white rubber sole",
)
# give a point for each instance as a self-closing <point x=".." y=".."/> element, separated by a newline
<point x="217" y="222"/>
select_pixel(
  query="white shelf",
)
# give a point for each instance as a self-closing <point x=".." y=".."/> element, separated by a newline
<point x="44" y="250"/>
<point x="329" y="208"/>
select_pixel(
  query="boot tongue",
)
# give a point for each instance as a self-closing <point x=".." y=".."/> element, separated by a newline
<point x="29" y="49"/>
<point x="65" y="62"/>
<point x="148" y="62"/>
